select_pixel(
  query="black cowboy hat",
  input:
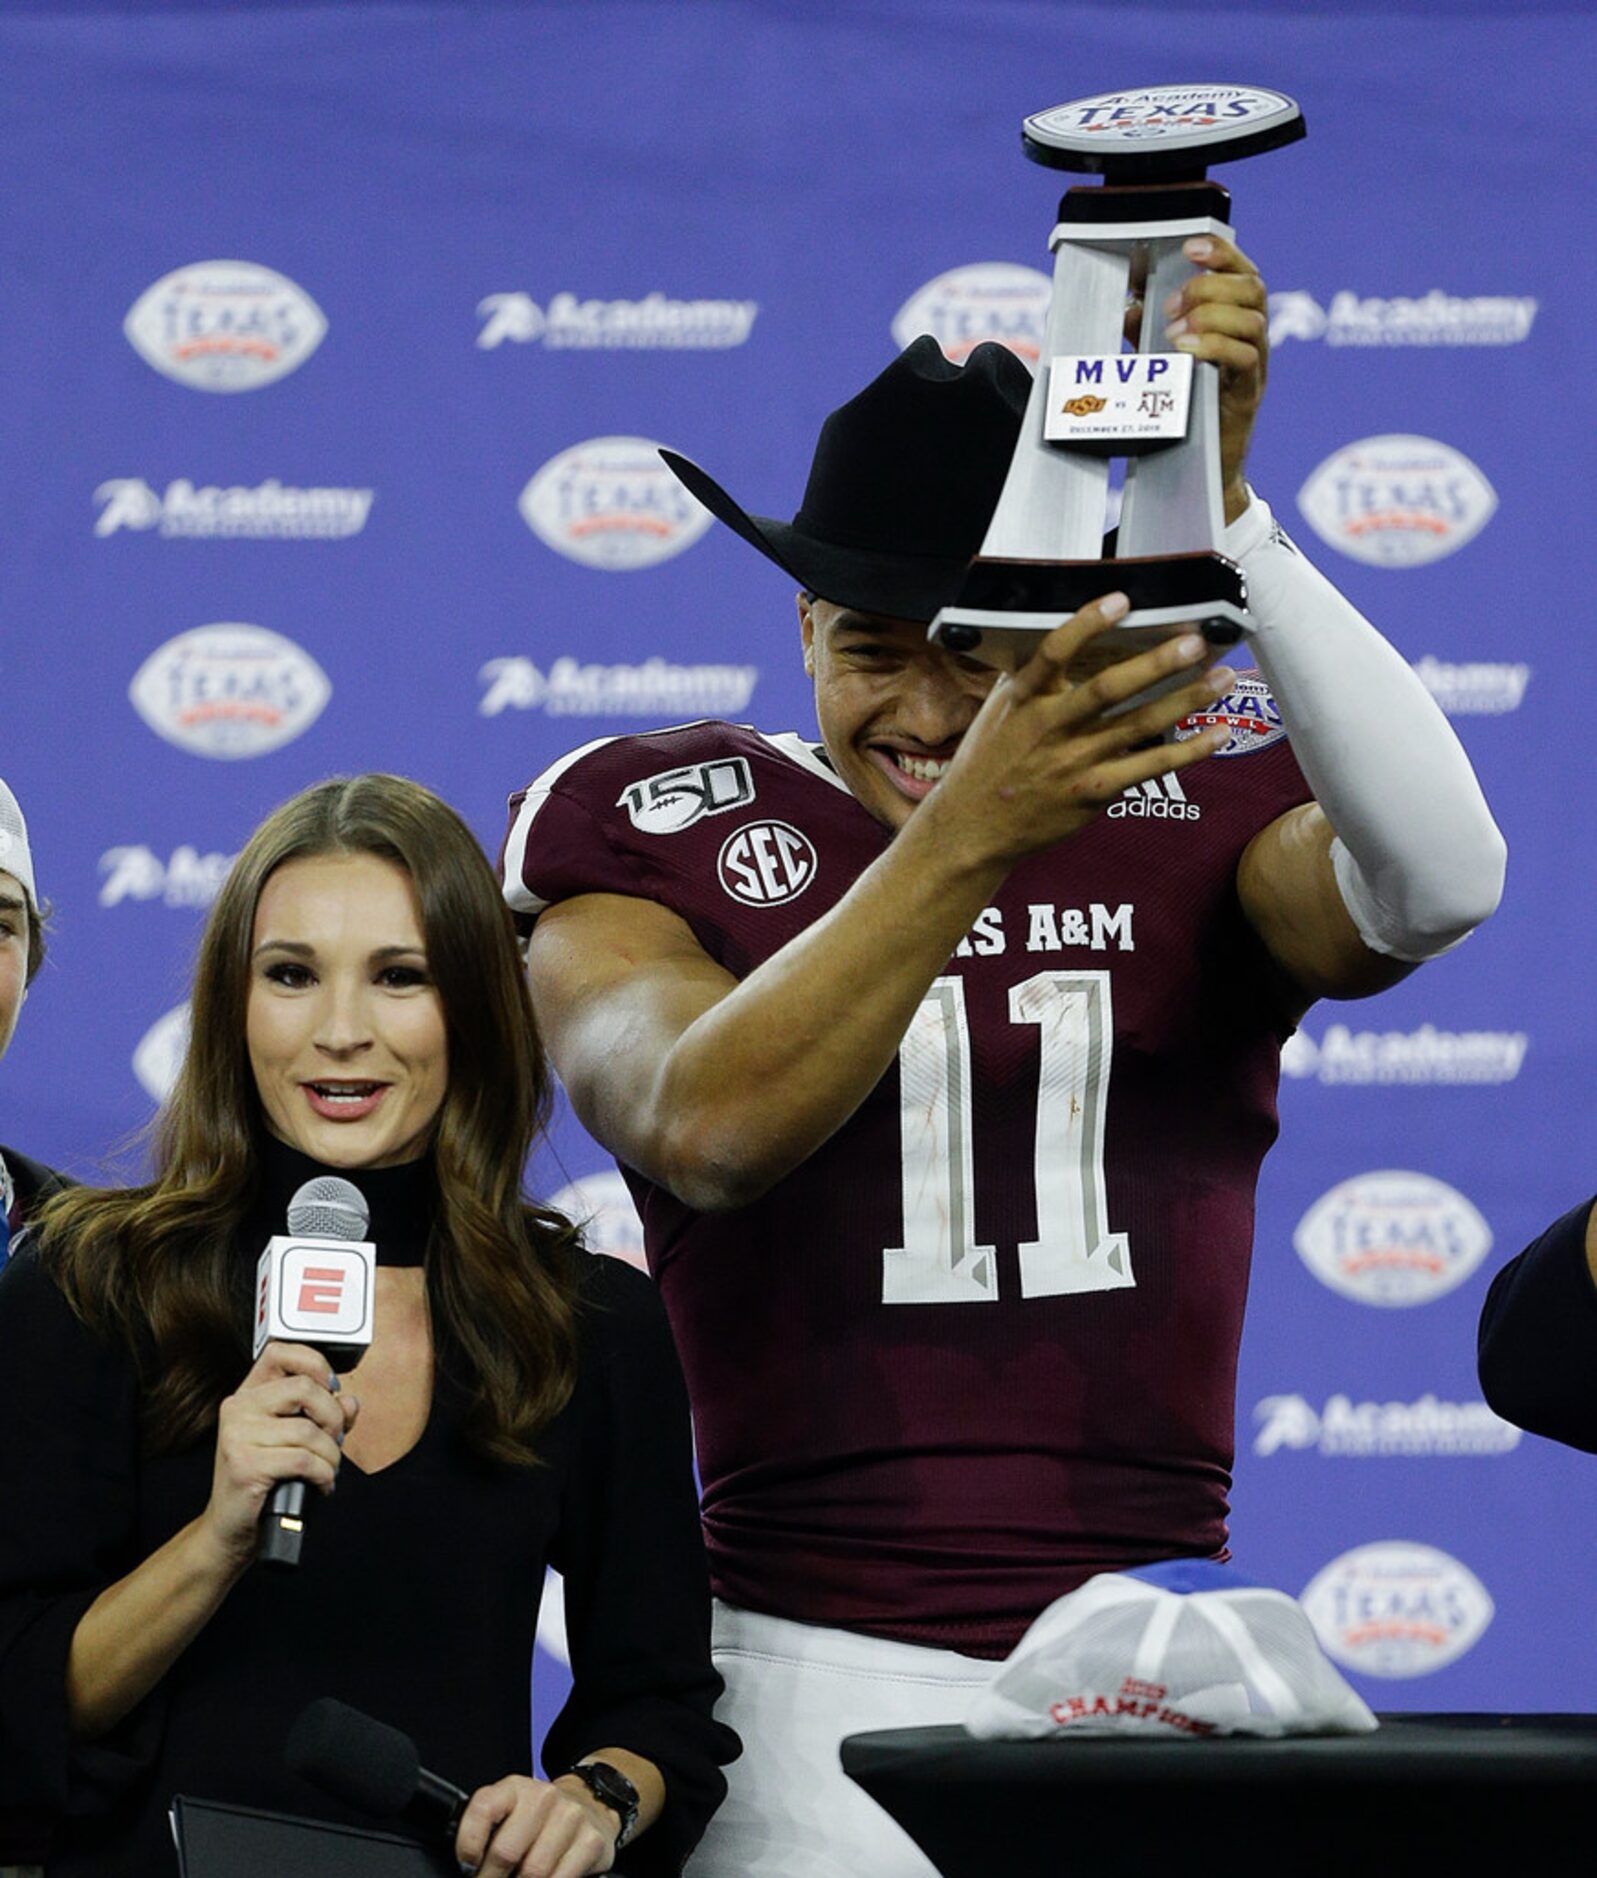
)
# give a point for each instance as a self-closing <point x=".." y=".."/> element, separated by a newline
<point x="903" y="484"/>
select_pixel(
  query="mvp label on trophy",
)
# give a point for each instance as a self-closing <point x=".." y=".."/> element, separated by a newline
<point x="1118" y="401"/>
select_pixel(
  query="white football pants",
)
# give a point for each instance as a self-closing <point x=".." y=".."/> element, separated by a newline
<point x="792" y="1692"/>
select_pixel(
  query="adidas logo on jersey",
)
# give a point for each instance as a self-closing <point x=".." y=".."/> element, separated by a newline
<point x="1161" y="798"/>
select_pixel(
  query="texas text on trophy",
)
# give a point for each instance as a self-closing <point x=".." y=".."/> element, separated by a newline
<point x="1042" y="557"/>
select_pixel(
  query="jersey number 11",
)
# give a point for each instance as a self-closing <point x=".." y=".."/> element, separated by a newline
<point x="940" y="1261"/>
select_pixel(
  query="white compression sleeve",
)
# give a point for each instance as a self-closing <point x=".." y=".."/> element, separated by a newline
<point x="1418" y="859"/>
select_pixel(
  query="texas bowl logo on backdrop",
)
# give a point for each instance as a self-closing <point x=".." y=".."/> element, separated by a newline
<point x="967" y="306"/>
<point x="230" y="690"/>
<point x="225" y="325"/>
<point x="1392" y="1238"/>
<point x="611" y="503"/>
<point x="160" y="1051"/>
<point x="1397" y="1609"/>
<point x="1397" y="501"/>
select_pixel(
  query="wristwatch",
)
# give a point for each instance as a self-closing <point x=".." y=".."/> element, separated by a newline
<point x="610" y="1787"/>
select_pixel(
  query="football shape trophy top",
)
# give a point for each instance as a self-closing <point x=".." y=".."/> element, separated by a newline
<point x="1042" y="556"/>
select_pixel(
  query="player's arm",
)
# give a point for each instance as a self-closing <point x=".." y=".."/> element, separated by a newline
<point x="1397" y="859"/>
<point x="716" y="1087"/>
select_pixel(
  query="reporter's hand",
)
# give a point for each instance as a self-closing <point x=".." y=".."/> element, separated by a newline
<point x="536" y="1829"/>
<point x="1041" y="758"/>
<point x="284" y="1422"/>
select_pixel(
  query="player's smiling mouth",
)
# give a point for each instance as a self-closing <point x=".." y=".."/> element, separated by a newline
<point x="912" y="774"/>
<point x="922" y="768"/>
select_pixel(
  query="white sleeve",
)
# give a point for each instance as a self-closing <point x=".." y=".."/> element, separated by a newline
<point x="1418" y="859"/>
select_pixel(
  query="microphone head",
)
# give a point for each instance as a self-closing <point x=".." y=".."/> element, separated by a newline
<point x="358" y="1760"/>
<point x="328" y="1208"/>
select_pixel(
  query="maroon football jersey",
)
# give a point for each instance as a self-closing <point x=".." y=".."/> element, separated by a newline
<point x="983" y="1343"/>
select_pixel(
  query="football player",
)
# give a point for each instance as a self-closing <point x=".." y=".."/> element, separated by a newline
<point x="940" y="1056"/>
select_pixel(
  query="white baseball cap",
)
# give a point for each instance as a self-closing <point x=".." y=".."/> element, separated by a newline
<point x="16" y="857"/>
<point x="1187" y="1648"/>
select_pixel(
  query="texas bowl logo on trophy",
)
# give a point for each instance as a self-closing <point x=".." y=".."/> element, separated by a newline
<point x="1042" y="556"/>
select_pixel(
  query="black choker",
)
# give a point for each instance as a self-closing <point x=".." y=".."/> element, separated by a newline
<point x="403" y="1200"/>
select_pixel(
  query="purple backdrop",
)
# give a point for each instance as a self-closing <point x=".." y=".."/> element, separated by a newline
<point x="341" y="336"/>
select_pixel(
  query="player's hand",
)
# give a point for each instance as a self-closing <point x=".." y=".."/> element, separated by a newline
<point x="536" y="1829"/>
<point x="283" y="1422"/>
<point x="1044" y="755"/>
<point x="1221" y="315"/>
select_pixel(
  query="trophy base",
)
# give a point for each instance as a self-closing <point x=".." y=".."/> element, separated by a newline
<point x="1006" y="605"/>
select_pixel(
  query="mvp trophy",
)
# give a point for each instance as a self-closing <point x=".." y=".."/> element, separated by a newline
<point x="1041" y="558"/>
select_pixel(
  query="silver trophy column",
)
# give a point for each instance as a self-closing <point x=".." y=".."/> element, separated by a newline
<point x="1042" y="557"/>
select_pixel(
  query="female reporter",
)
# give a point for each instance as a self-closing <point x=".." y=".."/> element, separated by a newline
<point x="358" y="1009"/>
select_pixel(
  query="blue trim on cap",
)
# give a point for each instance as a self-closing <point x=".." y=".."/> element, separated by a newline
<point x="1186" y="1575"/>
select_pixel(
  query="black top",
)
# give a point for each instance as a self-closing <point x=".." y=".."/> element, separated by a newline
<point x="416" y="1600"/>
<point x="1538" y="1336"/>
<point x="34" y="1182"/>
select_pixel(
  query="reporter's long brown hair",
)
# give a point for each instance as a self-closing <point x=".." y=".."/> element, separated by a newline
<point x="157" y="1265"/>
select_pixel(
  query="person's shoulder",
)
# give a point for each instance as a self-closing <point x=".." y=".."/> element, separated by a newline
<point x="611" y="766"/>
<point x="611" y="1286"/>
<point x="33" y="1308"/>
<point x="35" y="1182"/>
<point x="620" y="1316"/>
<point x="628" y="815"/>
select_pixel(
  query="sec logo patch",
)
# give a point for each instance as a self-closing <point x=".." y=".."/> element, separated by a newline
<point x="766" y="863"/>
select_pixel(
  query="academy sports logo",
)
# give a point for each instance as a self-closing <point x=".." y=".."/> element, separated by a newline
<point x="1397" y="1609"/>
<point x="992" y="301"/>
<point x="230" y="690"/>
<point x="766" y="863"/>
<point x="1477" y="689"/>
<point x="1248" y="712"/>
<point x="652" y="323"/>
<point x="160" y="1052"/>
<point x="1348" y="1430"/>
<point x="1361" y="1058"/>
<point x="611" y="503"/>
<point x="271" y="511"/>
<point x="225" y="326"/>
<point x="1160" y="798"/>
<point x="189" y="878"/>
<point x="652" y="689"/>
<point x="1434" y="319"/>
<point x="674" y="799"/>
<point x="1397" y="501"/>
<point x="600" y="1205"/>
<point x="1392" y="1239"/>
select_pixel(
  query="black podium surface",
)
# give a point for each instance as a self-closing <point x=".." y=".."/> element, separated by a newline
<point x="1425" y="1794"/>
<point x="215" y="1841"/>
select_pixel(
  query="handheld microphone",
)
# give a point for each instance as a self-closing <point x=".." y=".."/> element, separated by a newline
<point x="372" y="1767"/>
<point x="316" y="1284"/>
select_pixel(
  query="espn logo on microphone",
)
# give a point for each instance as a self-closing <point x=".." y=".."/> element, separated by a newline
<point x="315" y="1291"/>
